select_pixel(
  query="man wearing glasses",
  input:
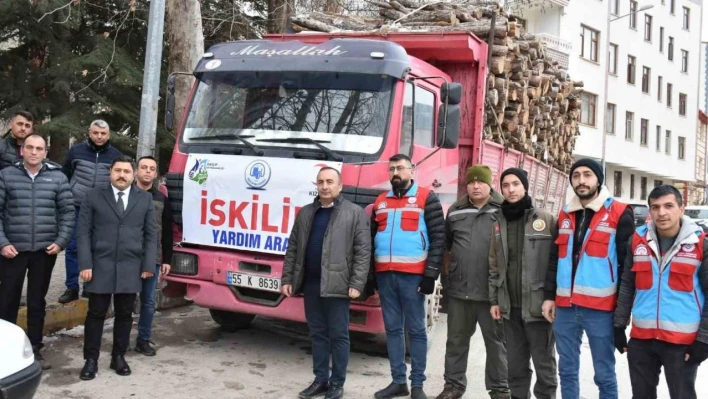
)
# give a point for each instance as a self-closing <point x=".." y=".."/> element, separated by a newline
<point x="408" y="230"/>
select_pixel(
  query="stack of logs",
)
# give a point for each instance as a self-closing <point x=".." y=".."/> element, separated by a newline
<point x="531" y="104"/>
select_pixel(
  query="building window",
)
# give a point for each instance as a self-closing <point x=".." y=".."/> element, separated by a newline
<point x="629" y="126"/>
<point x="644" y="133"/>
<point x="684" y="61"/>
<point x="613" y="59"/>
<point x="659" y="88"/>
<point x="686" y="18"/>
<point x="672" y="7"/>
<point x="671" y="48"/>
<point x="661" y="39"/>
<point x="589" y="38"/>
<point x="647" y="28"/>
<point x="615" y="7"/>
<point x="610" y="118"/>
<point x="682" y="104"/>
<point x="618" y="184"/>
<point x="658" y="183"/>
<point x="667" y="143"/>
<point x="631" y="186"/>
<point x="643" y="188"/>
<point x="681" y="148"/>
<point x="669" y="94"/>
<point x="646" y="75"/>
<point x="658" y="138"/>
<point x="633" y="14"/>
<point x="631" y="69"/>
<point x="588" y="109"/>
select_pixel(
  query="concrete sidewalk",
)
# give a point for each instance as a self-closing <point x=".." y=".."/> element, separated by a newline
<point x="74" y="314"/>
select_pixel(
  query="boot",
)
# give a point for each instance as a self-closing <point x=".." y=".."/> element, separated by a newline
<point x="314" y="390"/>
<point x="38" y="357"/>
<point x="70" y="295"/>
<point x="500" y="394"/>
<point x="450" y="393"/>
<point x="335" y="391"/>
<point x="418" y="393"/>
<point x="90" y="369"/>
<point x="392" y="391"/>
<point x="119" y="364"/>
<point x="145" y="348"/>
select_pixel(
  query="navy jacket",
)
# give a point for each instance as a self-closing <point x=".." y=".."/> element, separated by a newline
<point x="87" y="166"/>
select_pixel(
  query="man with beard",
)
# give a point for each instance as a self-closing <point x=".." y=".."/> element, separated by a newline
<point x="21" y="125"/>
<point x="518" y="260"/>
<point x="409" y="237"/>
<point x="593" y="230"/>
<point x="469" y="234"/>
<point x="663" y="286"/>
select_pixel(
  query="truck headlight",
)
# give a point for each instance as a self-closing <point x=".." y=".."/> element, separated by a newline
<point x="185" y="264"/>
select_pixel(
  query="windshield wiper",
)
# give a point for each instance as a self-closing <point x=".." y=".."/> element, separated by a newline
<point x="228" y="136"/>
<point x="306" y="140"/>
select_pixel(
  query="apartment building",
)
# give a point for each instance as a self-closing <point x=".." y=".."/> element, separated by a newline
<point x="647" y="115"/>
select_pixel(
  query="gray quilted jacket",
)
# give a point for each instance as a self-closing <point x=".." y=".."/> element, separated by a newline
<point x="35" y="214"/>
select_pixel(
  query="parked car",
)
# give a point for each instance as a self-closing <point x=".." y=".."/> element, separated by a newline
<point x="697" y="212"/>
<point x="19" y="372"/>
<point x="641" y="212"/>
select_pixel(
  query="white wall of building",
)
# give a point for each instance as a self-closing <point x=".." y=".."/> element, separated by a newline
<point x="629" y="156"/>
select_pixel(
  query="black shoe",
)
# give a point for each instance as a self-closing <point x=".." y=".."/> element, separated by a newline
<point x="314" y="390"/>
<point x="335" y="391"/>
<point x="450" y="393"/>
<point x="393" y="391"/>
<point x="84" y="294"/>
<point x="418" y="393"/>
<point x="70" y="295"/>
<point x="500" y="394"/>
<point x="119" y="364"/>
<point x="90" y="369"/>
<point x="145" y="348"/>
<point x="38" y="357"/>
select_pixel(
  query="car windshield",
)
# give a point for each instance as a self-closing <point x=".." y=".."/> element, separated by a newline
<point x="640" y="210"/>
<point x="348" y="112"/>
<point x="697" y="213"/>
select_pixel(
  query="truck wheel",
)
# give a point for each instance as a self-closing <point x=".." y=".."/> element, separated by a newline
<point x="432" y="314"/>
<point x="231" y="321"/>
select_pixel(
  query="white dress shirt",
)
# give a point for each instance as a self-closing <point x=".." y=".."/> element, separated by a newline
<point x="126" y="194"/>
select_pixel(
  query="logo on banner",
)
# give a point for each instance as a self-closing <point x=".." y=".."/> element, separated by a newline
<point x="565" y="224"/>
<point x="257" y="174"/>
<point x="688" y="247"/>
<point x="198" y="173"/>
<point x="641" y="250"/>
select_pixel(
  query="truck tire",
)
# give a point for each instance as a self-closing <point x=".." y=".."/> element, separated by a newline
<point x="231" y="321"/>
<point x="432" y="314"/>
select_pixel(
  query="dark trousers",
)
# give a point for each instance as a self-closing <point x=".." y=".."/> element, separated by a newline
<point x="71" y="258"/>
<point x="38" y="267"/>
<point x="98" y="307"/>
<point x="647" y="356"/>
<point x="328" y="322"/>
<point x="526" y="342"/>
<point x="463" y="316"/>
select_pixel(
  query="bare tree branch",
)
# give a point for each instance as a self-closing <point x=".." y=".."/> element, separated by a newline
<point x="57" y="9"/>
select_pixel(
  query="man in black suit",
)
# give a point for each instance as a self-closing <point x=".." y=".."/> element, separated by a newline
<point x="117" y="241"/>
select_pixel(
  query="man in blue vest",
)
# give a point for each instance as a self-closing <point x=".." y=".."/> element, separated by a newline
<point x="593" y="230"/>
<point x="408" y="229"/>
<point x="664" y="288"/>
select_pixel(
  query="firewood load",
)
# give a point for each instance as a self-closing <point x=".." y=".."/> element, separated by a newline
<point x="532" y="105"/>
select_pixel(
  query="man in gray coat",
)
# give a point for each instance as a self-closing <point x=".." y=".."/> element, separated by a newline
<point x="328" y="259"/>
<point x="117" y="241"/>
<point x="37" y="214"/>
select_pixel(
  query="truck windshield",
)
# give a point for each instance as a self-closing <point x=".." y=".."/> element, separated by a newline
<point x="347" y="111"/>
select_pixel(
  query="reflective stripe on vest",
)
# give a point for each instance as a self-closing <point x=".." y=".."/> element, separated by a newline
<point x="595" y="284"/>
<point x="668" y="303"/>
<point x="401" y="242"/>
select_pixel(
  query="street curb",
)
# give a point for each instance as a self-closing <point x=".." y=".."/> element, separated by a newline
<point x="59" y="316"/>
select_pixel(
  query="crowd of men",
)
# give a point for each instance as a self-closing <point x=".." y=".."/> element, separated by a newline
<point x="113" y="223"/>
<point x="534" y="282"/>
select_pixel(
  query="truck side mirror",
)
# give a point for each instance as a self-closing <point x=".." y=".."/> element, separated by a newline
<point x="452" y="92"/>
<point x="449" y="126"/>
<point x="170" y="102"/>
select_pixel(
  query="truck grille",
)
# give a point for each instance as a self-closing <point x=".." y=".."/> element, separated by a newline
<point x="361" y="196"/>
<point x="175" y="193"/>
<point x="250" y="295"/>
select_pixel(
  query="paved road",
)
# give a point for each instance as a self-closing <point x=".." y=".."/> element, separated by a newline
<point x="271" y="361"/>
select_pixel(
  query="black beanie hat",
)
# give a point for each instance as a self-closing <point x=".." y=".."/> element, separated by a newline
<point x="592" y="165"/>
<point x="518" y="172"/>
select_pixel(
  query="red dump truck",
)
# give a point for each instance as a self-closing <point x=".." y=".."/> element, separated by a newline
<point x="264" y="115"/>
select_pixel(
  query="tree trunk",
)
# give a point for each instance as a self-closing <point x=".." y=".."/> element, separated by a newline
<point x="278" y="13"/>
<point x="186" y="40"/>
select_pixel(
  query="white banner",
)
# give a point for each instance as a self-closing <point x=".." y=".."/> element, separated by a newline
<point x="246" y="203"/>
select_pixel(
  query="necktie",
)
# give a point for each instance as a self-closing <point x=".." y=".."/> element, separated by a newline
<point x="120" y="204"/>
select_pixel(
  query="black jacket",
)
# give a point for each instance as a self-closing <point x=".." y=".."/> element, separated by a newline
<point x="9" y="151"/>
<point x="435" y="223"/>
<point x="87" y="166"/>
<point x="163" y="213"/>
<point x="35" y="214"/>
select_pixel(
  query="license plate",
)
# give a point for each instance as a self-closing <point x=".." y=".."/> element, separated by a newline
<point x="251" y="281"/>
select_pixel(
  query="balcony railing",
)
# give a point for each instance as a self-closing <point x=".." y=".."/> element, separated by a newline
<point x="557" y="49"/>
